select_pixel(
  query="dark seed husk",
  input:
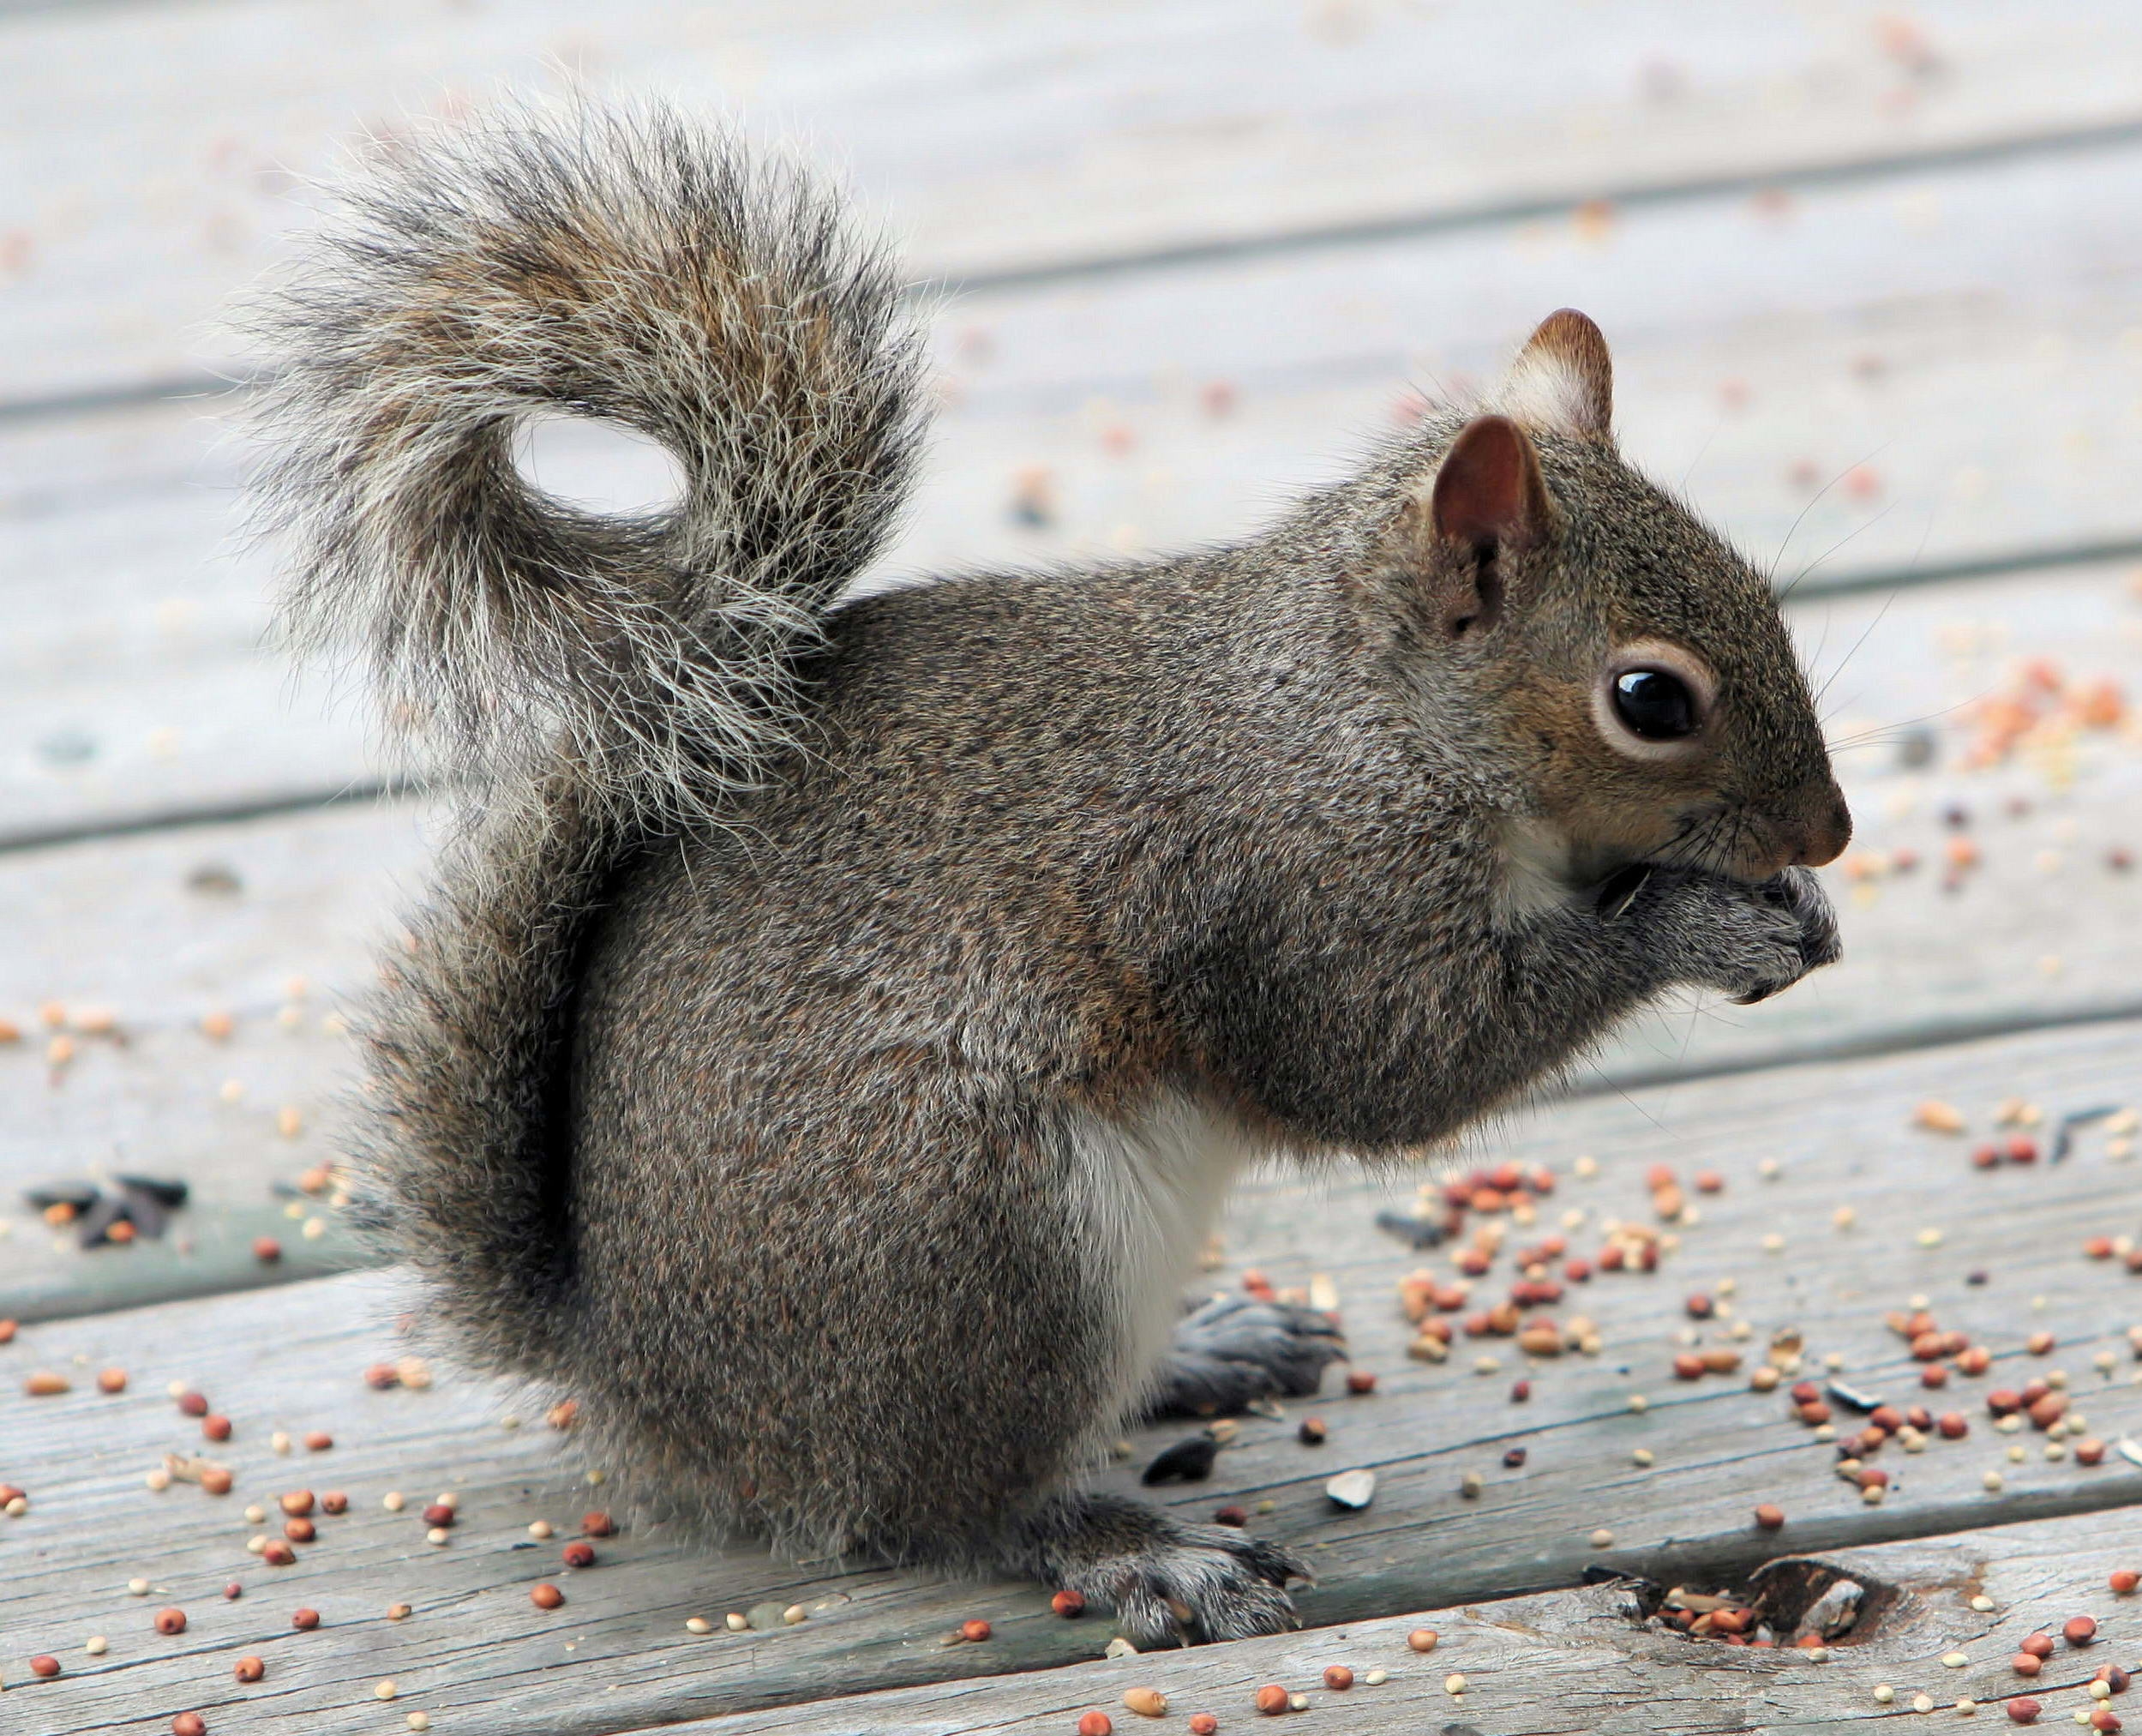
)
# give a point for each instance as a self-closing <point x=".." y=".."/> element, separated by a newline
<point x="1187" y="1462"/>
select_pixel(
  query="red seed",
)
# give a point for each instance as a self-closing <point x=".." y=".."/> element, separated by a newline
<point x="579" y="1554"/>
<point x="216" y="1427"/>
<point x="2090" y="1452"/>
<point x="545" y="1595"/>
<point x="2080" y="1630"/>
<point x="190" y="1724"/>
<point x="2024" y="1711"/>
<point x="1360" y="1380"/>
<point x="2098" y="1248"/>
<point x="1874" y="1477"/>
<point x="1934" y="1374"/>
<point x="1231" y="1515"/>
<point x="193" y="1403"/>
<point x="1985" y="1156"/>
<point x="298" y="1530"/>
<point x="335" y="1501"/>
<point x="2113" y="1677"/>
<point x="1769" y="1518"/>
<point x="2021" y="1151"/>
<point x="2039" y="1344"/>
<point x="2001" y="1402"/>
<point x="1805" y="1393"/>
<point x="1974" y="1359"/>
<point x="2124" y="1580"/>
<point x="170" y="1621"/>
<point x="1520" y="1391"/>
<point x="278" y="1553"/>
<point x="44" y="1666"/>
<point x="1068" y="1603"/>
<point x="1699" y="1305"/>
<point x="295" y="1502"/>
<point x="267" y="1250"/>
<point x="1953" y="1425"/>
<point x="2049" y="1410"/>
<point x="2027" y="1663"/>
<point x="319" y="1441"/>
<point x="1688" y="1367"/>
<point x="2105" y="1718"/>
<point x="249" y="1669"/>
<point x="597" y="1525"/>
<point x="1272" y="1700"/>
<point x="383" y="1375"/>
<point x="438" y="1513"/>
<point x="215" y="1480"/>
<point x="113" y="1380"/>
<point x="1338" y="1676"/>
<point x="2039" y="1645"/>
<point x="1423" y="1639"/>
<point x="233" y="1591"/>
<point x="1515" y="1458"/>
<point x="1202" y="1724"/>
<point x="976" y="1630"/>
<point x="1887" y="1418"/>
<point x="304" y="1621"/>
<point x="1814" y="1415"/>
<point x="1096" y="1724"/>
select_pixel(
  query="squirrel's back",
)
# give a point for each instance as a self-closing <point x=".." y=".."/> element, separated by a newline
<point x="593" y="682"/>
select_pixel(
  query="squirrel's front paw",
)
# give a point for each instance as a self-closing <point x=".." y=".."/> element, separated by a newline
<point x="1747" y="942"/>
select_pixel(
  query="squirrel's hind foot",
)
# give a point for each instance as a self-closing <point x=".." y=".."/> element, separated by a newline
<point x="1235" y="1350"/>
<point x="1169" y="1582"/>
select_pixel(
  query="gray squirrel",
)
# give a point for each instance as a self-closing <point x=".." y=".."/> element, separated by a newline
<point x="835" y="1024"/>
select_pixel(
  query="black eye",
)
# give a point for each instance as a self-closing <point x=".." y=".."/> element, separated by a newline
<point x="1655" y="706"/>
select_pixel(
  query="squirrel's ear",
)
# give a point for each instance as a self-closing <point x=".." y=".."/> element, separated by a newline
<point x="1488" y="497"/>
<point x="1563" y="379"/>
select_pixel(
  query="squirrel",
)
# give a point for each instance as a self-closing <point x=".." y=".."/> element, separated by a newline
<point x="835" y="1021"/>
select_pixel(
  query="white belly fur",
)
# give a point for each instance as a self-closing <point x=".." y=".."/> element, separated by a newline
<point x="1153" y="1187"/>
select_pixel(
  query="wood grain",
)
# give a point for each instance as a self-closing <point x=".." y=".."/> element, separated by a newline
<point x="617" y="1657"/>
<point x="1578" y="1662"/>
<point x="161" y="152"/>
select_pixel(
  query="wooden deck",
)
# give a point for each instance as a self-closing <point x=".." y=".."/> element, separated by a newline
<point x="1872" y="284"/>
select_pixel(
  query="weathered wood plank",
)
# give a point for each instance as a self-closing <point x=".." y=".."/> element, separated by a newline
<point x="1580" y="1660"/>
<point x="1000" y="140"/>
<point x="1899" y="411"/>
<point x="2054" y="929"/>
<point x="617" y="1657"/>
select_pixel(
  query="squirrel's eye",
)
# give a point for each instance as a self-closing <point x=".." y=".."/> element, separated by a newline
<point x="1654" y="706"/>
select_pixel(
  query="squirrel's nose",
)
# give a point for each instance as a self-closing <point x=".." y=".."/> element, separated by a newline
<point x="1824" y="834"/>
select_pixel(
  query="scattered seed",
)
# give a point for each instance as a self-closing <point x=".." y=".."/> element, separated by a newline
<point x="2124" y="1581"/>
<point x="1769" y="1518"/>
<point x="1454" y="1684"/>
<point x="304" y="1621"/>
<point x="1376" y="1678"/>
<point x="794" y="1614"/>
<point x="2080" y="1630"/>
<point x="1068" y="1603"/>
<point x="545" y="1595"/>
<point x="1602" y="1539"/>
<point x="1922" y="1702"/>
<point x="190" y="1724"/>
<point x="579" y="1554"/>
<point x="1955" y="1660"/>
<point x="249" y="1669"/>
<point x="735" y="1622"/>
<point x="1096" y="1724"/>
<point x="976" y="1631"/>
<point x="384" y="1690"/>
<point x="1352" y="1489"/>
<point x="1272" y="1700"/>
<point x="419" y="1720"/>
<point x="1147" y="1703"/>
<point x="1884" y="1694"/>
<point x="1424" y="1639"/>
<point x="44" y="1384"/>
<point x="170" y="1621"/>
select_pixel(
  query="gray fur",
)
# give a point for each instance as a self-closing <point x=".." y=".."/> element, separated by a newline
<point x="827" y="1116"/>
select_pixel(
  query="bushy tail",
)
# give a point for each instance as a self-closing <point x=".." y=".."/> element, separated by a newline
<point x="606" y="679"/>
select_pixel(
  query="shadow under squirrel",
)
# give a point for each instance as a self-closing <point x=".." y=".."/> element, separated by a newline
<point x="834" y="1025"/>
